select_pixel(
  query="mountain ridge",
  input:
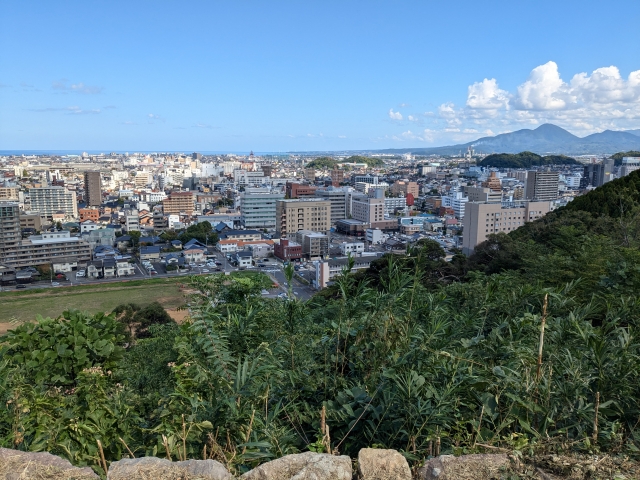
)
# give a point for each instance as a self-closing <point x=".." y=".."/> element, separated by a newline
<point x="547" y="138"/>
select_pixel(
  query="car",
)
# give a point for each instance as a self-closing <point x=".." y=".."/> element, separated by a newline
<point x="205" y="270"/>
<point x="21" y="286"/>
<point x="55" y="284"/>
<point x="60" y="276"/>
<point x="153" y="272"/>
<point x="218" y="269"/>
<point x="218" y="263"/>
<point x="261" y="265"/>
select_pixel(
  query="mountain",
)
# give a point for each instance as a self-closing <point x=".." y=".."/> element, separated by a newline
<point x="545" y="139"/>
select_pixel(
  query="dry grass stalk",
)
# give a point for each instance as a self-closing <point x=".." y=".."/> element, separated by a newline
<point x="595" y="419"/>
<point x="104" y="462"/>
<point x="541" y="345"/>
<point x="165" y="442"/>
<point x="127" y="447"/>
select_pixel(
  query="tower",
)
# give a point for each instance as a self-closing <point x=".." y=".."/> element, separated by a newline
<point x="92" y="189"/>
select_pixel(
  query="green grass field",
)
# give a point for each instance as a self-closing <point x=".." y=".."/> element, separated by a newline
<point x="51" y="302"/>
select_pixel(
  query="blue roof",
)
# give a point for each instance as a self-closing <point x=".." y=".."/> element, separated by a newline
<point x="194" y="243"/>
<point x="148" y="250"/>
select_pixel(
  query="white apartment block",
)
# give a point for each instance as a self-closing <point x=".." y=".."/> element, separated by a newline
<point x="49" y="200"/>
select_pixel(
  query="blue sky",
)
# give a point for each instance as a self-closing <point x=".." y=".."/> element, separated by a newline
<point x="291" y="75"/>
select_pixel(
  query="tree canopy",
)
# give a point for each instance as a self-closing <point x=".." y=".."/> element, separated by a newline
<point x="524" y="160"/>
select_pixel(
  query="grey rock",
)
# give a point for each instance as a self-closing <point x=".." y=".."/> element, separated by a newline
<point x="380" y="464"/>
<point x="465" y="467"/>
<point x="152" y="468"/>
<point x="303" y="466"/>
<point x="17" y="465"/>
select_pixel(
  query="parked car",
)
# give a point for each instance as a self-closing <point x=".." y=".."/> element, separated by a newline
<point x="205" y="270"/>
<point x="55" y="284"/>
<point x="21" y="286"/>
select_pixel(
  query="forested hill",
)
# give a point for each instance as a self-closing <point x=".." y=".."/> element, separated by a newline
<point x="416" y="352"/>
<point x="524" y="160"/>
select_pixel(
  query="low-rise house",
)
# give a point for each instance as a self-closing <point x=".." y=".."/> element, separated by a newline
<point x="150" y="253"/>
<point x="244" y="259"/>
<point x="124" y="268"/>
<point x="194" y="254"/>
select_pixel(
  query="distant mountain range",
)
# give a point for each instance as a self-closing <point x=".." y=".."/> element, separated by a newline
<point x="546" y="139"/>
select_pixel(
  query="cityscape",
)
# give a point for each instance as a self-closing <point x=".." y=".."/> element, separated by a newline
<point x="279" y="240"/>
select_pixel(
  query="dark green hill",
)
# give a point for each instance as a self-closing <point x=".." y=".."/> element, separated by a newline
<point x="524" y="160"/>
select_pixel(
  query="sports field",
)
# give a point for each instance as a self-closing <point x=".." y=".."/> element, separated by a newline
<point x="51" y="302"/>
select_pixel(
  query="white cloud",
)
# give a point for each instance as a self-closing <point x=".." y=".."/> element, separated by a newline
<point x="62" y="85"/>
<point x="587" y="103"/>
<point x="487" y="95"/>
<point x="543" y="90"/>
<point x="394" y="115"/>
<point x="73" y="110"/>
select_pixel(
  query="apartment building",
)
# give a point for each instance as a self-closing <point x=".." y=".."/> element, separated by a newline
<point x="131" y="220"/>
<point x="143" y="179"/>
<point x="394" y="204"/>
<point x="314" y="244"/>
<point x="338" y="199"/>
<point x="258" y="210"/>
<point x="287" y="250"/>
<point x="49" y="200"/>
<point x="337" y="177"/>
<point x="482" y="219"/>
<point x="178" y="202"/>
<point x="456" y="201"/>
<point x="92" y="214"/>
<point x="37" y="249"/>
<point x="542" y="185"/>
<point x="34" y="221"/>
<point x="308" y="214"/>
<point x="310" y="175"/>
<point x="8" y="193"/>
<point x="92" y="189"/>
<point x="405" y="188"/>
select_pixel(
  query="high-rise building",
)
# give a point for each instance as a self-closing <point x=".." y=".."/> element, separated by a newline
<point x="310" y="175"/>
<point x="308" y="214"/>
<point x="542" y="185"/>
<point x="92" y="189"/>
<point x="50" y="200"/>
<point x="597" y="174"/>
<point x="10" y="234"/>
<point x="258" y="209"/>
<point x="482" y="219"/>
<point x="492" y="182"/>
<point x="629" y="164"/>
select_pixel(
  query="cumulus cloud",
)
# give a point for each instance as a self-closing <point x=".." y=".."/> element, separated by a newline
<point x="584" y="104"/>
<point x="394" y="115"/>
<point x="154" y="117"/>
<point x="486" y="95"/>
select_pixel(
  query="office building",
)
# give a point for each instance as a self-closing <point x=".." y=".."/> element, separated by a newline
<point x="310" y="175"/>
<point x="482" y="219"/>
<point x="308" y="214"/>
<point x="483" y="194"/>
<point x="456" y="201"/>
<point x="338" y="199"/>
<point x="178" y="202"/>
<point x="597" y="174"/>
<point x="368" y="209"/>
<point x="541" y="185"/>
<point x="50" y="200"/>
<point x="258" y="210"/>
<point x="393" y="205"/>
<point x="299" y="190"/>
<point x="629" y="164"/>
<point x="92" y="189"/>
<point x="287" y="250"/>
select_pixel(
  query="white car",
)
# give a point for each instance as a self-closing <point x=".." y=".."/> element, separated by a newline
<point x="55" y="284"/>
<point x="205" y="270"/>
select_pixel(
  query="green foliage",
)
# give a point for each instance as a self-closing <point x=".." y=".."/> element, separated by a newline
<point x="55" y="351"/>
<point x="524" y="160"/>
<point x="415" y="349"/>
<point x="322" y="163"/>
<point x="138" y="319"/>
<point x="620" y="155"/>
<point x="203" y="232"/>
<point x="371" y="162"/>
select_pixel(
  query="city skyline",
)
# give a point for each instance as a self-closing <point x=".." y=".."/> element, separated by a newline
<point x="314" y="77"/>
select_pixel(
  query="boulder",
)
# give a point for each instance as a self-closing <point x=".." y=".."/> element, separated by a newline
<point x="380" y="464"/>
<point x="152" y="468"/>
<point x="465" y="467"/>
<point x="17" y="465"/>
<point x="303" y="466"/>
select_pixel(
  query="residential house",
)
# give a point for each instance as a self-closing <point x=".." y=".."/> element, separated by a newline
<point x="194" y="254"/>
<point x="244" y="259"/>
<point x="150" y="253"/>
